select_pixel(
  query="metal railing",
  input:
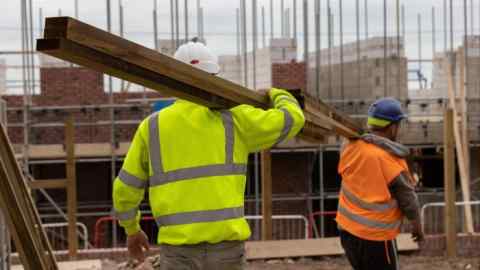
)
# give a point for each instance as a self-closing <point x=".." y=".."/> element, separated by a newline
<point x="432" y="217"/>
<point x="57" y="234"/>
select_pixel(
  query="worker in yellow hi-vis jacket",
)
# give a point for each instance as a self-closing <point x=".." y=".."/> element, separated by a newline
<point x="194" y="162"/>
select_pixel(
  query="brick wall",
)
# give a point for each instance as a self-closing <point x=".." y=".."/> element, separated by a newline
<point x="289" y="75"/>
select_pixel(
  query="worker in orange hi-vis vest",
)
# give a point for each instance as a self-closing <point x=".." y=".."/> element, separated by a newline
<point x="377" y="191"/>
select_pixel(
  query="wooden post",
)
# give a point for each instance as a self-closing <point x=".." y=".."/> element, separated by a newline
<point x="449" y="183"/>
<point x="462" y="166"/>
<point x="71" y="188"/>
<point x="266" y="157"/>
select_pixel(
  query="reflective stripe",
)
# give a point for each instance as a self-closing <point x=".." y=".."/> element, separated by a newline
<point x="197" y="172"/>
<point x="200" y="216"/>
<point x="380" y="207"/>
<point x="154" y="145"/>
<point x="131" y="180"/>
<point x="229" y="136"/>
<point x="128" y="215"/>
<point x="368" y="222"/>
<point x="287" y="126"/>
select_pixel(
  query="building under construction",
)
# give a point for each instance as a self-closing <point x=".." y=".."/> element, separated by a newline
<point x="333" y="50"/>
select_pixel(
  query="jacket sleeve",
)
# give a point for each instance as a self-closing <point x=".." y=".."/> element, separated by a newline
<point x="129" y="186"/>
<point x="262" y="129"/>
<point x="404" y="193"/>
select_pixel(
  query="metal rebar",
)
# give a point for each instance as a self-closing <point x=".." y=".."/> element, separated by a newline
<point x="271" y="20"/>
<point x="366" y="19"/>
<point x="282" y="21"/>
<point x="254" y="44"/>
<point x="472" y="21"/>
<point x="451" y="29"/>
<point x="295" y="21"/>
<point x="403" y="25"/>
<point x="342" y="81"/>
<point x="155" y="23"/>
<point x="357" y="44"/>
<point x="186" y="20"/>
<point x="202" y="25"/>
<point x="419" y="25"/>
<point x="305" y="38"/>
<point x="177" y="24"/>
<point x="330" y="45"/>
<point x="76" y="9"/>
<point x="434" y="39"/>
<point x="317" y="47"/>
<point x="121" y="22"/>
<point x="385" y="48"/>
<point x="172" y="25"/>
<point x="264" y="42"/>
<point x="287" y="23"/>
<point x="322" y="191"/>
<point x="445" y="27"/>
<point x="198" y="19"/>
<point x="243" y="8"/>
<point x="40" y="20"/>
<point x="237" y="14"/>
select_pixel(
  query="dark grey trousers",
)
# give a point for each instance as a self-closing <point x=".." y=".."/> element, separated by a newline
<point x="221" y="256"/>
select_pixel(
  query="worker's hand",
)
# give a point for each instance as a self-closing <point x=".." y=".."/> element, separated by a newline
<point x="417" y="233"/>
<point x="135" y="244"/>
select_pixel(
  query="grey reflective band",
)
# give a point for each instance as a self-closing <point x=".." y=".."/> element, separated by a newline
<point x="197" y="172"/>
<point x="200" y="216"/>
<point x="380" y="207"/>
<point x="229" y="136"/>
<point x="128" y="215"/>
<point x="368" y="222"/>
<point x="287" y="126"/>
<point x="131" y="180"/>
<point x="154" y="145"/>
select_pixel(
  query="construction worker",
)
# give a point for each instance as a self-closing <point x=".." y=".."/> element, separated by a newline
<point x="377" y="191"/>
<point x="194" y="162"/>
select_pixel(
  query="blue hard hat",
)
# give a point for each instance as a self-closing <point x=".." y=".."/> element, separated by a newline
<point x="388" y="109"/>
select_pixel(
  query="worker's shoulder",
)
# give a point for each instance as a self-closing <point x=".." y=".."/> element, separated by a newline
<point x="369" y="150"/>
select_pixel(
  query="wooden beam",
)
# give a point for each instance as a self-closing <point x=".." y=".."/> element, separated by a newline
<point x="464" y="175"/>
<point x="330" y="246"/>
<point x="266" y="163"/>
<point x="83" y="44"/>
<point x="449" y="184"/>
<point x="71" y="188"/>
<point x="20" y="212"/>
<point x="48" y="184"/>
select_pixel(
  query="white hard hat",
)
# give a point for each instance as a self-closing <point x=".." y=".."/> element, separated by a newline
<point x="198" y="55"/>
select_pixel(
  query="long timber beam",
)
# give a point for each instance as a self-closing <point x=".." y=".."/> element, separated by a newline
<point x="86" y="45"/>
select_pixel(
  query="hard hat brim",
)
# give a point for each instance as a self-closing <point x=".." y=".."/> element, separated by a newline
<point x="209" y="67"/>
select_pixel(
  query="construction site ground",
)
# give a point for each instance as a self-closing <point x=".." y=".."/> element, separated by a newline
<point x="407" y="262"/>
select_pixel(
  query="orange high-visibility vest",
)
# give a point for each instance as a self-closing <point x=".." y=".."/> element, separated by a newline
<point x="366" y="208"/>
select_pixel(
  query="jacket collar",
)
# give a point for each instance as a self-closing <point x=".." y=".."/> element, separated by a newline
<point x="391" y="147"/>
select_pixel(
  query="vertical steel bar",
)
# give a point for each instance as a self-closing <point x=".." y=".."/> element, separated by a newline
<point x="155" y="24"/>
<point x="264" y="41"/>
<point x="434" y="34"/>
<point x="317" y="48"/>
<point x="451" y="31"/>
<point x="172" y="26"/>
<point x="357" y="44"/>
<point x="76" y="9"/>
<point x="287" y="23"/>
<point x="40" y="20"/>
<point x="198" y="19"/>
<point x="26" y="108"/>
<point x="305" y="39"/>
<point x="237" y="14"/>
<point x="342" y="81"/>
<point x="202" y="37"/>
<point x="120" y="10"/>
<point x="366" y="19"/>
<point x="403" y="25"/>
<point x="419" y="25"/>
<point x="472" y="18"/>
<point x="295" y="21"/>
<point x="254" y="43"/>
<point x="445" y="27"/>
<point x="186" y="20"/>
<point x="282" y="14"/>
<point x="271" y="20"/>
<point x="244" y="41"/>
<point x="385" y="49"/>
<point x="177" y="24"/>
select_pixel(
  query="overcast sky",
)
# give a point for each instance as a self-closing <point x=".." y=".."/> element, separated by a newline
<point x="220" y="20"/>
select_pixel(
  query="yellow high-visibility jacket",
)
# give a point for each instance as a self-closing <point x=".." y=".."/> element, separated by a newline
<point x="194" y="162"/>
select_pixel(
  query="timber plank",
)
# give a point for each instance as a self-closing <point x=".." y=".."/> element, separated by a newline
<point x="309" y="247"/>
<point x="48" y="184"/>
